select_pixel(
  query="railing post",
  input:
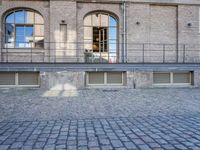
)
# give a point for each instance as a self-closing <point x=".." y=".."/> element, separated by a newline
<point x="163" y="53"/>
<point x="184" y="53"/>
<point x="1" y="52"/>
<point x="143" y="60"/>
<point x="31" y="53"/>
<point x="6" y="54"/>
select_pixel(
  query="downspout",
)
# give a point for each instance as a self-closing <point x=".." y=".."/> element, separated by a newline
<point x="124" y="33"/>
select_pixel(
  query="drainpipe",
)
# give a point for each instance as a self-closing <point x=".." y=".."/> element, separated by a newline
<point x="124" y="33"/>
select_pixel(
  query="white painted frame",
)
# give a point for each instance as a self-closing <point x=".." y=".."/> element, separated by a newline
<point x="105" y="80"/>
<point x="17" y="82"/>
<point x="172" y="78"/>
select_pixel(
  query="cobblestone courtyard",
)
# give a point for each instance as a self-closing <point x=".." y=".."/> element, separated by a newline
<point x="100" y="119"/>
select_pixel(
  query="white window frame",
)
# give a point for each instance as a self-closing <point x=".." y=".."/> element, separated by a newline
<point x="105" y="80"/>
<point x="17" y="82"/>
<point x="172" y="78"/>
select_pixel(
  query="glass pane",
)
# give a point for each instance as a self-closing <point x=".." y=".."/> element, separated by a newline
<point x="19" y="17"/>
<point x="20" y="30"/>
<point x="39" y="42"/>
<point x="9" y="30"/>
<point x="27" y="78"/>
<point x="96" y="78"/>
<point x="29" y="39"/>
<point x="29" y="30"/>
<point x="161" y="77"/>
<point x="112" y="33"/>
<point x="181" y="77"/>
<point x="9" y="42"/>
<point x="114" y="78"/>
<point x="20" y="42"/>
<point x="38" y="19"/>
<point x="112" y="22"/>
<point x="29" y="17"/>
<point x="88" y="21"/>
<point x="10" y="18"/>
<point x="88" y="45"/>
<point x="7" y="78"/>
<point x="112" y="46"/>
<point x="88" y="33"/>
<point x="104" y="20"/>
<point x="39" y="30"/>
<point x="96" y="20"/>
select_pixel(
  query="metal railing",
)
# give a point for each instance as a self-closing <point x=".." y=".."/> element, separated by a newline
<point x="79" y="52"/>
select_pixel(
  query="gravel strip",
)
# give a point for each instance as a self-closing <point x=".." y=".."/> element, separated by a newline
<point x="37" y="104"/>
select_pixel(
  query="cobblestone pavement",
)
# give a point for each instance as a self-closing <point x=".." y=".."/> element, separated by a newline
<point x="157" y="133"/>
<point x="38" y="105"/>
<point x="100" y="119"/>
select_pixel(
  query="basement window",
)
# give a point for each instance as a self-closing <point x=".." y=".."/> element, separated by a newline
<point x="172" y="78"/>
<point x="105" y="78"/>
<point x="21" y="79"/>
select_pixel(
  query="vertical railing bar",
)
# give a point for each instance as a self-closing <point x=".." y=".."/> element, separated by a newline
<point x="31" y="54"/>
<point x="184" y="53"/>
<point x="7" y="53"/>
<point x="54" y="52"/>
<point x="1" y="51"/>
<point x="163" y="53"/>
<point x="143" y="60"/>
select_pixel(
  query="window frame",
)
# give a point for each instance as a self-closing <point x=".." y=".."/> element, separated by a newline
<point x="16" y="76"/>
<point x="110" y="41"/>
<point x="172" y="83"/>
<point x="106" y="78"/>
<point x="33" y="43"/>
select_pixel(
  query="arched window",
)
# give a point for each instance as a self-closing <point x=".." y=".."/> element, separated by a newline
<point x="100" y="37"/>
<point x="23" y="29"/>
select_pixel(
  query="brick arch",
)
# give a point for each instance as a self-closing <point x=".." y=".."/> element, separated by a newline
<point x="103" y="12"/>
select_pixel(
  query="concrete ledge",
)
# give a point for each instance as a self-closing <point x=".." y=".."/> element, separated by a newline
<point x="187" y="2"/>
<point x="97" y="67"/>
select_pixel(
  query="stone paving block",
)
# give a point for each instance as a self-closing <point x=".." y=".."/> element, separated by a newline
<point x="4" y="147"/>
<point x="130" y="145"/>
<point x="141" y="135"/>
<point x="116" y="143"/>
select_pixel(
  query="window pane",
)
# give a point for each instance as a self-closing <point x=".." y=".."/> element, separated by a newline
<point x="88" y="20"/>
<point x="7" y="78"/>
<point x="10" y="18"/>
<point x="96" y="19"/>
<point x="39" y="42"/>
<point x="39" y="30"/>
<point x="104" y="20"/>
<point x="28" y="41"/>
<point x="38" y="19"/>
<point x="113" y="22"/>
<point x="112" y="33"/>
<point x="112" y="46"/>
<point x="96" y="78"/>
<point x="88" y="33"/>
<point x="20" y="30"/>
<point x="181" y="77"/>
<point x="114" y="78"/>
<point x="9" y="42"/>
<point x="29" y="30"/>
<point x="161" y="77"/>
<point x="27" y="78"/>
<point x="20" y="41"/>
<point x="9" y="30"/>
<point x="29" y="17"/>
<point x="19" y="17"/>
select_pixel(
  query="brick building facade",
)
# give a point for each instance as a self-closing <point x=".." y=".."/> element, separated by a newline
<point x="74" y="44"/>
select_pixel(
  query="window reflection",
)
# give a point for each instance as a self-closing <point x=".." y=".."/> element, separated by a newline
<point x="19" y="17"/>
<point x="24" y="29"/>
<point x="100" y="38"/>
<point x="10" y="18"/>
